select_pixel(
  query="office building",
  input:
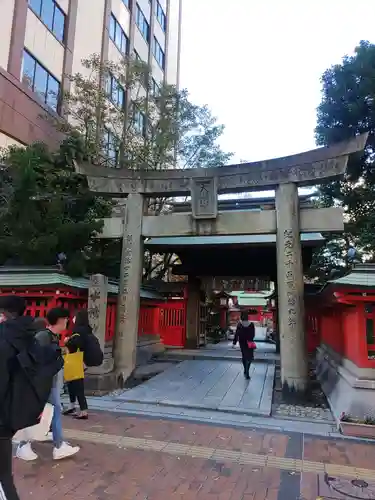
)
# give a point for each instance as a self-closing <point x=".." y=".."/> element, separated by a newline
<point x="43" y="40"/>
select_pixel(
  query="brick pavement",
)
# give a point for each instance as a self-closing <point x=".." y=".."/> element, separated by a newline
<point x="132" y="458"/>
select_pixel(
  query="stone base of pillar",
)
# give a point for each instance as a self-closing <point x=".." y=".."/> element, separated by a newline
<point x="293" y="395"/>
<point x="100" y="384"/>
<point x="348" y="388"/>
<point x="106" y="367"/>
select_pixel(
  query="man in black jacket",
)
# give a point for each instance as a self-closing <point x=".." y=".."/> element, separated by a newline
<point x="245" y="334"/>
<point x="57" y="319"/>
<point x="20" y="328"/>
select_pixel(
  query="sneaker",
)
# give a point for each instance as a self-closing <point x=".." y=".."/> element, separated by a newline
<point x="26" y="453"/>
<point x="47" y="438"/>
<point x="65" y="451"/>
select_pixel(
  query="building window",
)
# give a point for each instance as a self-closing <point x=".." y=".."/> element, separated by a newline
<point x="142" y="24"/>
<point x="51" y="15"/>
<point x="155" y="88"/>
<point x="109" y="147"/>
<point x="40" y="81"/>
<point x="116" y="92"/>
<point x="159" y="53"/>
<point x="139" y="121"/>
<point x="161" y="17"/>
<point x="118" y="36"/>
<point x="137" y="57"/>
<point x="126" y="3"/>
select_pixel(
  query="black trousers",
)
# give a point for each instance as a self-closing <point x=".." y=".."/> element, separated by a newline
<point x="7" y="489"/>
<point x="76" y="389"/>
<point x="247" y="358"/>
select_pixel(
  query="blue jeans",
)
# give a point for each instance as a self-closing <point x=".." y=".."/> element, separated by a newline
<point x="57" y="431"/>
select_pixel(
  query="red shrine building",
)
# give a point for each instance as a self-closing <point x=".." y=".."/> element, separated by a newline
<point x="344" y="315"/>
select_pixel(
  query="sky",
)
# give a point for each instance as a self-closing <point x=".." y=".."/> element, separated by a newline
<point x="257" y="65"/>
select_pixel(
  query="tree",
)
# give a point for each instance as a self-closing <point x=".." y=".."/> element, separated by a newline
<point x="334" y="259"/>
<point x="127" y="120"/>
<point x="50" y="211"/>
<point x="348" y="108"/>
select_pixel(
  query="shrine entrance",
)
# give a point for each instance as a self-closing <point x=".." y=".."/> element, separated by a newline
<point x="275" y="242"/>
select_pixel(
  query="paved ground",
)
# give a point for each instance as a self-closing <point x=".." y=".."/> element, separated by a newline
<point x="211" y="385"/>
<point x="126" y="458"/>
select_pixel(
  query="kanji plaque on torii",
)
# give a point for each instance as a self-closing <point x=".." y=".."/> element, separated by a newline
<point x="204" y="198"/>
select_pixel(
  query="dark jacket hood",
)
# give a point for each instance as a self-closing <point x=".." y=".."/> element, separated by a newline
<point x="82" y="329"/>
<point x="18" y="330"/>
<point x="21" y="327"/>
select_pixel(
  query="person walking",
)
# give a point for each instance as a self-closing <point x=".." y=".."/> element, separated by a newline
<point x="16" y="331"/>
<point x="57" y="319"/>
<point x="245" y="334"/>
<point x="77" y="342"/>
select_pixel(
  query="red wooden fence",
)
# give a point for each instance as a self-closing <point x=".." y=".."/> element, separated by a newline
<point x="166" y="319"/>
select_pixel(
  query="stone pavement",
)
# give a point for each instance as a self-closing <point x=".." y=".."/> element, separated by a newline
<point x="211" y="385"/>
<point x="127" y="458"/>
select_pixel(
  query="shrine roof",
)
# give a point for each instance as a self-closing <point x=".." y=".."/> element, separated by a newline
<point x="52" y="276"/>
<point x="180" y="241"/>
<point x="362" y="275"/>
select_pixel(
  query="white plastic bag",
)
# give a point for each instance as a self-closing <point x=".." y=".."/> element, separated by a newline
<point x="37" y="432"/>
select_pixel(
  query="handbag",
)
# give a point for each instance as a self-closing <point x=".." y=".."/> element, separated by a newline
<point x="73" y="366"/>
<point x="251" y="345"/>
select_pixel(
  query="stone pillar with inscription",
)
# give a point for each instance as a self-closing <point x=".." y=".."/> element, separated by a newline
<point x="129" y="288"/>
<point x="294" y="361"/>
<point x="97" y="306"/>
<point x="97" y="311"/>
<point x="100" y="379"/>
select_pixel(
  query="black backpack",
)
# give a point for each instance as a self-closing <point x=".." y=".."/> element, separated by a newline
<point x="32" y="371"/>
<point x="92" y="353"/>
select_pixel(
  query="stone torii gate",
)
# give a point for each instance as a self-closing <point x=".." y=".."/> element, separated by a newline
<point x="287" y="222"/>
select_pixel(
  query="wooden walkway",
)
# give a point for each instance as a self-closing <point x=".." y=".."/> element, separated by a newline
<point x="211" y="385"/>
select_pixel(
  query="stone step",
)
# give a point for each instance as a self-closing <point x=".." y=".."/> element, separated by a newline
<point x="195" y="406"/>
<point x="214" y="356"/>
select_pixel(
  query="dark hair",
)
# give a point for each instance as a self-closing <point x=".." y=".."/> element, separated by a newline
<point x="40" y="323"/>
<point x="82" y="318"/>
<point x="57" y="313"/>
<point x="13" y="305"/>
<point x="244" y="315"/>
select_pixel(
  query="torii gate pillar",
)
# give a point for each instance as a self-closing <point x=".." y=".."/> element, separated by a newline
<point x="129" y="290"/>
<point x="293" y="349"/>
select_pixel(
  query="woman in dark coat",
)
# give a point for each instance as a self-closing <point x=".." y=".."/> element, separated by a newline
<point x="76" y="388"/>
<point x="245" y="334"/>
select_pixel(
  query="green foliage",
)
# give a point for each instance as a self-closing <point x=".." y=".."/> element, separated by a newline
<point x="348" y="108"/>
<point x="50" y="208"/>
